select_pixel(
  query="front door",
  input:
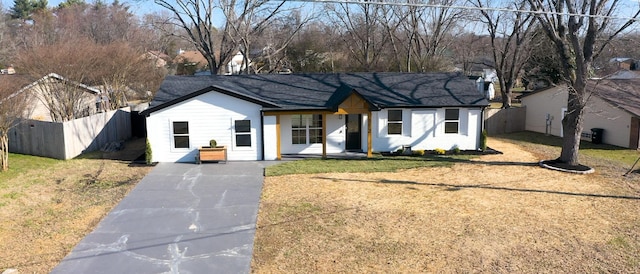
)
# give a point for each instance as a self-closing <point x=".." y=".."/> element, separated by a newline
<point x="354" y="134"/>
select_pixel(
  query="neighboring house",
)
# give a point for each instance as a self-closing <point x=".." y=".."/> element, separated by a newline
<point x="614" y="106"/>
<point x="189" y="62"/>
<point x="89" y="103"/>
<point x="8" y="71"/>
<point x="486" y="87"/>
<point x="237" y="64"/>
<point x="622" y="63"/>
<point x="263" y="116"/>
<point x="160" y="59"/>
<point x="194" y="58"/>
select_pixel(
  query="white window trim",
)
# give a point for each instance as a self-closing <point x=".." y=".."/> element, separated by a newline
<point x="307" y="129"/>
<point x="172" y="144"/>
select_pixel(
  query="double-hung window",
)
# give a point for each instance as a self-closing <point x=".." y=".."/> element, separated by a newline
<point x="298" y="129"/>
<point x="180" y="134"/>
<point x="243" y="133"/>
<point x="451" y="121"/>
<point x="306" y="129"/>
<point x="394" y="122"/>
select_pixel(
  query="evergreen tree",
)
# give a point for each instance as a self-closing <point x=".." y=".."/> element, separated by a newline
<point x="23" y="9"/>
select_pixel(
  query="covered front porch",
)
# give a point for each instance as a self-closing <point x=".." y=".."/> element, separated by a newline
<point x="343" y="130"/>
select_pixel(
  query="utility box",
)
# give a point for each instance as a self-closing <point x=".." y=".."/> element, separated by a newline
<point x="596" y="135"/>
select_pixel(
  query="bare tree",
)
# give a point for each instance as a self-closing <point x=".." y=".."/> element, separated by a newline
<point x="74" y="60"/>
<point x="274" y="40"/>
<point x="12" y="107"/>
<point x="429" y="33"/>
<point x="469" y="50"/>
<point x="580" y="30"/>
<point x="362" y="34"/>
<point x="510" y="36"/>
<point x="241" y="22"/>
<point x="118" y="67"/>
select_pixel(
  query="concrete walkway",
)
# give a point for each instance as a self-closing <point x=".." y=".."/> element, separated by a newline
<point x="181" y="218"/>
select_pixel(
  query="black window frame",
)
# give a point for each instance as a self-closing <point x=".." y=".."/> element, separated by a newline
<point x="394" y="122"/>
<point x="452" y="121"/>
<point x="242" y="129"/>
<point x="180" y="134"/>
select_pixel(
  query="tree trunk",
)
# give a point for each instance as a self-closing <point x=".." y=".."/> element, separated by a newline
<point x="4" y="151"/>
<point x="573" y="123"/>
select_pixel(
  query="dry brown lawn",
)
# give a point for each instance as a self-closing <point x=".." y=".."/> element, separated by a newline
<point x="45" y="213"/>
<point x="495" y="214"/>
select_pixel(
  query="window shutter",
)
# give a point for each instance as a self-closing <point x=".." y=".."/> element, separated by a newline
<point x="406" y="122"/>
<point x="464" y="121"/>
<point x="382" y="123"/>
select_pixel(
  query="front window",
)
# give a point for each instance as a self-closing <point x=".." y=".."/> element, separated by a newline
<point x="298" y="129"/>
<point x="306" y="129"/>
<point x="394" y="123"/>
<point x="451" y="120"/>
<point x="181" y="134"/>
<point x="243" y="133"/>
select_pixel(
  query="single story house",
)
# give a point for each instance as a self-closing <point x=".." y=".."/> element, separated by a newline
<point x="614" y="106"/>
<point x="263" y="116"/>
<point x="88" y="100"/>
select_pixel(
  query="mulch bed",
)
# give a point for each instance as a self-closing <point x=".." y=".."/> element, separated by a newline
<point x="562" y="166"/>
<point x="488" y="151"/>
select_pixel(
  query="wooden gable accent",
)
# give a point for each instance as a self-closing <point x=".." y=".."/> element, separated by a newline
<point x="354" y="104"/>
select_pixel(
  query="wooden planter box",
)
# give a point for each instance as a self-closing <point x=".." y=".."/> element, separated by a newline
<point x="214" y="154"/>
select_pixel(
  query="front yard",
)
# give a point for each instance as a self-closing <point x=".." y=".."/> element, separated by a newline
<point x="494" y="213"/>
<point x="47" y="206"/>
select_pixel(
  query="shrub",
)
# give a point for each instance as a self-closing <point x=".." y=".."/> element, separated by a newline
<point x="455" y="150"/>
<point x="418" y="152"/>
<point x="399" y="151"/>
<point x="213" y="143"/>
<point x="439" y="151"/>
<point x="148" y="156"/>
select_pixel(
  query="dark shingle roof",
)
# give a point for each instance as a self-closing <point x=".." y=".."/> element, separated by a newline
<point x="622" y="93"/>
<point x="319" y="91"/>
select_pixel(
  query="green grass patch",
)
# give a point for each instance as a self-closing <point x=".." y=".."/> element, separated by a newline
<point x="598" y="151"/>
<point x="19" y="163"/>
<point x="377" y="164"/>
<point x="12" y="195"/>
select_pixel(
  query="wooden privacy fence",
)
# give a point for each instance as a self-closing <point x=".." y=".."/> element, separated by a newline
<point x="501" y="121"/>
<point x="69" y="139"/>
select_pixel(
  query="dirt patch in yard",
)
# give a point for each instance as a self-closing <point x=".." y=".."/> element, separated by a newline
<point x="496" y="213"/>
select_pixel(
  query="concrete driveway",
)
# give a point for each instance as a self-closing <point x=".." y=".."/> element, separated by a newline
<point x="181" y="218"/>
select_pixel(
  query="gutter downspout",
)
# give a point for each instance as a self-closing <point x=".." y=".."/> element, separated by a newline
<point x="262" y="134"/>
<point x="482" y="124"/>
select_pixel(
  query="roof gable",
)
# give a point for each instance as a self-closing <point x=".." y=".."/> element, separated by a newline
<point x="354" y="104"/>
<point x="188" y="96"/>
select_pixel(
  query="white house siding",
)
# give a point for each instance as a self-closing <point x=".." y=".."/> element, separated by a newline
<point x="424" y="129"/>
<point x="210" y="116"/>
<point x="335" y="137"/>
<point x="548" y="103"/>
<point x="270" y="138"/>
<point x="615" y="122"/>
<point x="598" y="114"/>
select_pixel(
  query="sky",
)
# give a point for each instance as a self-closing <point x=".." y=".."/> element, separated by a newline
<point x="138" y="7"/>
